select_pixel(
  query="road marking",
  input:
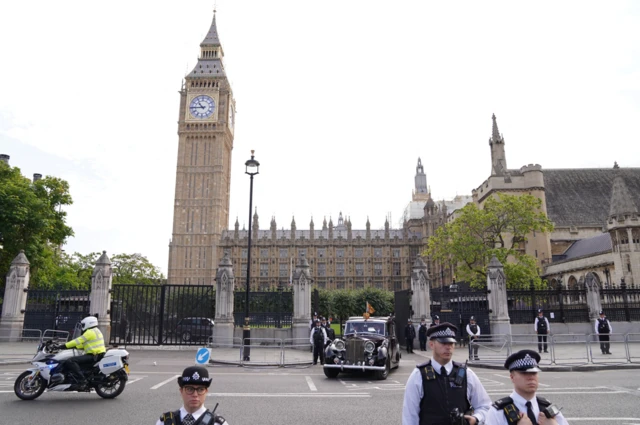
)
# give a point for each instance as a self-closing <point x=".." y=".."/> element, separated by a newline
<point x="310" y="383"/>
<point x="131" y="381"/>
<point x="603" y="419"/>
<point x="315" y="395"/>
<point x="502" y="376"/>
<point x="155" y="387"/>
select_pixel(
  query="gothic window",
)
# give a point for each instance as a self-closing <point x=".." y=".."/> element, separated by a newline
<point x="359" y="284"/>
<point x="322" y="252"/>
<point x="284" y="252"/>
<point x="396" y="252"/>
<point x="322" y="269"/>
<point x="322" y="284"/>
<point x="243" y="270"/>
<point x="377" y="252"/>
<point x="283" y="271"/>
<point x="244" y="253"/>
<point x="264" y="270"/>
<point x="397" y="285"/>
<point x="264" y="253"/>
<point x="396" y="269"/>
<point x="339" y="269"/>
<point x="359" y="252"/>
<point x="302" y="252"/>
<point x="359" y="269"/>
<point x="340" y="252"/>
<point x="377" y="269"/>
<point x="636" y="236"/>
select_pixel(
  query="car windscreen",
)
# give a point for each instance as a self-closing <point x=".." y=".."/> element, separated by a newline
<point x="365" y="327"/>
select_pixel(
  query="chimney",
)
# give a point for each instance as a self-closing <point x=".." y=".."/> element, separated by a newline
<point x="36" y="177"/>
<point x="5" y="158"/>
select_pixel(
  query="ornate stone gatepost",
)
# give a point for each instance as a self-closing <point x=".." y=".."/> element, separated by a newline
<point x="421" y="298"/>
<point x="593" y="296"/>
<point x="225" y="285"/>
<point x="302" y="287"/>
<point x="15" y="299"/>
<point x="100" y="297"/>
<point x="497" y="298"/>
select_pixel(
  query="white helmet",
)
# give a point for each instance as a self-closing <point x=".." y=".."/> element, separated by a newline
<point x="89" y="322"/>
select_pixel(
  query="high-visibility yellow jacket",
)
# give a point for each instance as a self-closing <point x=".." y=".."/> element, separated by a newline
<point x="92" y="342"/>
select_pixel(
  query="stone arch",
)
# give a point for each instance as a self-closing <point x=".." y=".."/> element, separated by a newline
<point x="572" y="282"/>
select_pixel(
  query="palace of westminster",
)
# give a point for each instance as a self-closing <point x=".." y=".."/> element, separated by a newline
<point x="595" y="212"/>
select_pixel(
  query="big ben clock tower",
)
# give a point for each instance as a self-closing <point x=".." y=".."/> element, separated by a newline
<point x="205" y="132"/>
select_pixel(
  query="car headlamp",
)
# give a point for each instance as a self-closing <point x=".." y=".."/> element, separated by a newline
<point x="369" y="346"/>
<point x="339" y="345"/>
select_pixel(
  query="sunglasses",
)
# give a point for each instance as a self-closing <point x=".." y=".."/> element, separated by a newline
<point x="191" y="390"/>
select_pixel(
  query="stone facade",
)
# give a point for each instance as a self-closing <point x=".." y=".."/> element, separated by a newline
<point x="339" y="257"/>
<point x="205" y="140"/>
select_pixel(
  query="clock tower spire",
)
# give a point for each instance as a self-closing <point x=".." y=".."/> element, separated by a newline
<point x="203" y="173"/>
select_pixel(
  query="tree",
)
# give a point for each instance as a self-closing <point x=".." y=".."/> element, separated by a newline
<point x="500" y="228"/>
<point x="31" y="219"/>
<point x="135" y="268"/>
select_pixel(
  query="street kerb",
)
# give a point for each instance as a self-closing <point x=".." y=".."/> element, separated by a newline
<point x="530" y="342"/>
<point x="618" y="350"/>
<point x="264" y="352"/>
<point x="226" y="350"/>
<point x="633" y="347"/>
<point x="570" y="349"/>
<point x="491" y="348"/>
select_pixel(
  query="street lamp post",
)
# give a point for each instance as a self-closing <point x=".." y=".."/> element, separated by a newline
<point x="252" y="169"/>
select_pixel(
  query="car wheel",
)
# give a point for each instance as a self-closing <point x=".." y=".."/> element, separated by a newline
<point x="381" y="375"/>
<point x="331" y="373"/>
<point x="186" y="336"/>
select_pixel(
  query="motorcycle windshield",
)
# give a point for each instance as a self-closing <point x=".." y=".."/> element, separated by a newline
<point x="77" y="331"/>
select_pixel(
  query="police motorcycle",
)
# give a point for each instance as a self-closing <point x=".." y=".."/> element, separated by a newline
<point x="107" y="376"/>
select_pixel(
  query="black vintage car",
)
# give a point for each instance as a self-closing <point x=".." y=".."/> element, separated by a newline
<point x="367" y="344"/>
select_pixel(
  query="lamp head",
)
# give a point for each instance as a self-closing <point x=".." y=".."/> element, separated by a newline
<point x="252" y="166"/>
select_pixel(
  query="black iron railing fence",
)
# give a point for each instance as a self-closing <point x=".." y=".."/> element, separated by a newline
<point x="52" y="309"/>
<point x="266" y="308"/>
<point x="559" y="305"/>
<point x="621" y="304"/>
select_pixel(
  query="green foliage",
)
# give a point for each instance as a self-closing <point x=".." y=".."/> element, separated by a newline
<point x="342" y="303"/>
<point x="32" y="219"/>
<point x="135" y="268"/>
<point x="499" y="228"/>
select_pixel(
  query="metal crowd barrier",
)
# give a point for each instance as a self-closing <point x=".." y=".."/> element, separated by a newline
<point x="620" y="354"/>
<point x="633" y="347"/>
<point x="559" y="357"/>
<point x="298" y="344"/>
<point x="264" y="352"/>
<point x="491" y="348"/>
<point x="530" y="341"/>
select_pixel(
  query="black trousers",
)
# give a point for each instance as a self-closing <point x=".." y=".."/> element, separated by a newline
<point x="604" y="343"/>
<point x="423" y="344"/>
<point x="409" y="345"/>
<point x="542" y="338"/>
<point x="473" y="350"/>
<point x="73" y="365"/>
<point x="318" y="351"/>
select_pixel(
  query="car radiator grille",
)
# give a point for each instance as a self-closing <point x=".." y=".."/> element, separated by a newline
<point x="354" y="351"/>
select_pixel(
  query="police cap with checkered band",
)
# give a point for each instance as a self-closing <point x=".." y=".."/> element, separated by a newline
<point x="523" y="361"/>
<point x="195" y="375"/>
<point x="444" y="332"/>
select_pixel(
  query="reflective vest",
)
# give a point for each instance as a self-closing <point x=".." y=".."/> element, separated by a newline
<point x="92" y="342"/>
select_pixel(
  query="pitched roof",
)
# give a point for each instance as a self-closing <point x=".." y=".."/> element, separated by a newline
<point x="589" y="246"/>
<point x="582" y="196"/>
<point x="621" y="200"/>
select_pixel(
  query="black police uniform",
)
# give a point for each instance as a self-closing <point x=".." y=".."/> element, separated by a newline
<point x="422" y="336"/>
<point x="604" y="329"/>
<point x="193" y="375"/>
<point x="318" y="344"/>
<point x="542" y="329"/>
<point x="409" y="335"/>
<point x="331" y="334"/>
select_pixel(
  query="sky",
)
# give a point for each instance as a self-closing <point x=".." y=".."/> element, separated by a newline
<point x="338" y="99"/>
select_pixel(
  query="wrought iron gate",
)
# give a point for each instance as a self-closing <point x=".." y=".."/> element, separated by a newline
<point x="403" y="312"/>
<point x="162" y="314"/>
<point x="59" y="310"/>
<point x="457" y="307"/>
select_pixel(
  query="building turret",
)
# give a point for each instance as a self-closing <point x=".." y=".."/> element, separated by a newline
<point x="624" y="228"/>
<point x="498" y="157"/>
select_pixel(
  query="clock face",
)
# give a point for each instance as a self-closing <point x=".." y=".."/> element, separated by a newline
<point x="231" y="117"/>
<point x="202" y="106"/>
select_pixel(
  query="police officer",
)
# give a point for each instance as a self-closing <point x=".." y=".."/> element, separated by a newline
<point x="473" y="331"/>
<point x="318" y="339"/>
<point x="436" y="321"/>
<point x="194" y="386"/>
<point x="331" y="334"/>
<point x="439" y="386"/>
<point x="603" y="329"/>
<point x="422" y="335"/>
<point x="409" y="335"/>
<point x="523" y="406"/>
<point x="91" y="342"/>
<point x="541" y="326"/>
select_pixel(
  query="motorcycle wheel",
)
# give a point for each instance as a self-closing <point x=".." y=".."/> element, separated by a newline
<point x="27" y="390"/>
<point x="112" y="387"/>
<point x="381" y="375"/>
